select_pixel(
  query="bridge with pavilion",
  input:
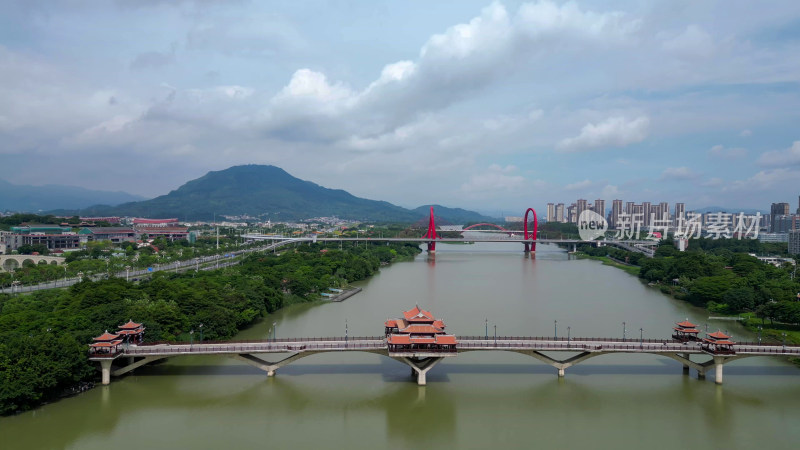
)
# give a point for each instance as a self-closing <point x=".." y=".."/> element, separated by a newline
<point x="419" y="340"/>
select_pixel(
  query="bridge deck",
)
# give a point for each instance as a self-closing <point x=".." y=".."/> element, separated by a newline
<point x="465" y="344"/>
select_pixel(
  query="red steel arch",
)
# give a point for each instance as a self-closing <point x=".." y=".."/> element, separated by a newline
<point x="485" y="224"/>
<point x="535" y="227"/>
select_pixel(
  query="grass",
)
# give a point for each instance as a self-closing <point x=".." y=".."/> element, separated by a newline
<point x="633" y="270"/>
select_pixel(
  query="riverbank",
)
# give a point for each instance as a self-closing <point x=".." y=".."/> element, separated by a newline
<point x="770" y="331"/>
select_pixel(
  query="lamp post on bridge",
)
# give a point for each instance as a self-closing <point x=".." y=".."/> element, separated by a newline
<point x="274" y="331"/>
<point x="555" y="330"/>
<point x="641" y="337"/>
<point x="201" y="333"/>
<point x="568" y="335"/>
<point x="486" y="322"/>
<point x="191" y="337"/>
<point x="784" y="340"/>
<point x="495" y="336"/>
<point x="345" y="331"/>
<point x="759" y="334"/>
<point x="624" y="331"/>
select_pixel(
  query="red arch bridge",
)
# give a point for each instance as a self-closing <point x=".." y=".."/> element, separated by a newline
<point x="561" y="353"/>
<point x="431" y="237"/>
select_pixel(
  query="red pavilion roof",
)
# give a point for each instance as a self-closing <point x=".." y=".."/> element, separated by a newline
<point x="390" y="323"/>
<point x="446" y="339"/>
<point x="417" y="314"/>
<point x="718" y="335"/>
<point x="686" y="330"/>
<point x="685" y="324"/>
<point x="106" y="337"/>
<point x="399" y="339"/>
<point x="131" y="325"/>
<point x="106" y="344"/>
<point x="422" y="329"/>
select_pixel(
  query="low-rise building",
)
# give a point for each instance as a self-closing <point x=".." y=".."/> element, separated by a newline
<point x="113" y="234"/>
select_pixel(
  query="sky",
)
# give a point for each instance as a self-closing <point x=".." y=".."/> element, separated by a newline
<point x="492" y="106"/>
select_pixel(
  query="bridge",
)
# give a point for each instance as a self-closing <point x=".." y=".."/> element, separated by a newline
<point x="570" y="351"/>
<point x="9" y="263"/>
<point x="529" y="239"/>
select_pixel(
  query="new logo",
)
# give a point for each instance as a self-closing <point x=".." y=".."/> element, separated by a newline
<point x="591" y="225"/>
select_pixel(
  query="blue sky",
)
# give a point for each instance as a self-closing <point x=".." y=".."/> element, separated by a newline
<point x="494" y="106"/>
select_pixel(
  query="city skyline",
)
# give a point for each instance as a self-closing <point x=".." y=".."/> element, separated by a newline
<point x="492" y="106"/>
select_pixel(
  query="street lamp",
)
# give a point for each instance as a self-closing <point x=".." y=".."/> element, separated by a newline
<point x="486" y="322"/>
<point x="555" y="329"/>
<point x="127" y="273"/>
<point x="201" y="333"/>
<point x="568" y="337"/>
<point x="759" y="334"/>
<point x="191" y="337"/>
<point x="641" y="337"/>
<point x="274" y="331"/>
<point x="784" y="340"/>
<point x="495" y="335"/>
<point x="624" y="331"/>
<point x="80" y="277"/>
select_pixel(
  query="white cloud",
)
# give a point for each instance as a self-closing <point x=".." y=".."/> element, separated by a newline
<point x="612" y="132"/>
<point x="693" y="42"/>
<point x="578" y="186"/>
<point x="777" y="158"/>
<point x="746" y="133"/>
<point x="677" y="173"/>
<point x="766" y="179"/>
<point x="720" y="151"/>
<point x="494" y="179"/>
<point x="610" y="191"/>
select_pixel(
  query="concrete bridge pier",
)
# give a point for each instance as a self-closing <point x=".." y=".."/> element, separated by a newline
<point x="719" y="361"/>
<point x="561" y="372"/>
<point x="268" y="366"/>
<point x="420" y="367"/>
<point x="686" y="366"/>
<point x="105" y="368"/>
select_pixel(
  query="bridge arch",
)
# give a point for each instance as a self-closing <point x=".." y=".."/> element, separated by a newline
<point x="9" y="263"/>
<point x="535" y="227"/>
<point x="484" y="225"/>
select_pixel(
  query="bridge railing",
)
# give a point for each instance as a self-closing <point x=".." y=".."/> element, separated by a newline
<point x="264" y="341"/>
<point x="247" y="348"/>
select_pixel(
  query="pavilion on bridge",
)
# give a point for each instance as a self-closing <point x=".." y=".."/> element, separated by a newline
<point x="718" y="343"/>
<point x="107" y="344"/>
<point x="418" y="331"/>
<point x="132" y="332"/>
<point x="685" y="331"/>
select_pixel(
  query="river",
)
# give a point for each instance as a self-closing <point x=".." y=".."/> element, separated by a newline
<point x="475" y="400"/>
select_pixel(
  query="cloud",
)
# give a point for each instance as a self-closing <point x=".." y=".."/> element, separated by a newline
<point x="693" y="42"/>
<point x="746" y="133"/>
<point x="720" y="151"/>
<point x="612" y="132"/>
<point x="578" y="186"/>
<point x="153" y="60"/>
<point x="777" y="158"/>
<point x="610" y="191"/>
<point x="765" y="180"/>
<point x="677" y="173"/>
<point x="495" y="178"/>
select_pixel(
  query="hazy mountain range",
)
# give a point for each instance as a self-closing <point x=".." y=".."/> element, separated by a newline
<point x="270" y="192"/>
<point x="14" y="197"/>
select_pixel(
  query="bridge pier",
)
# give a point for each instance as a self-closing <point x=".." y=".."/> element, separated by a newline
<point x="420" y="367"/>
<point x="686" y="366"/>
<point x="719" y="361"/>
<point x="105" y="369"/>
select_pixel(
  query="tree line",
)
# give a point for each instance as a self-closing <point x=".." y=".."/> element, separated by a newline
<point x="44" y="335"/>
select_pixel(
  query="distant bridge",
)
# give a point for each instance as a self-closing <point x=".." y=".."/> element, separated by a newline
<point x="421" y="361"/>
<point x="10" y="263"/>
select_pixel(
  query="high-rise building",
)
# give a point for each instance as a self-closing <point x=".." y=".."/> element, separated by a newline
<point x="646" y="210"/>
<point x="663" y="211"/>
<point x="582" y="206"/>
<point x="560" y="213"/>
<point x="629" y="207"/>
<point x="680" y="212"/>
<point x="798" y="204"/>
<point x="616" y="210"/>
<point x="551" y="212"/>
<point x="794" y="242"/>
<point x="600" y="207"/>
<point x="779" y="209"/>
<point x="572" y="216"/>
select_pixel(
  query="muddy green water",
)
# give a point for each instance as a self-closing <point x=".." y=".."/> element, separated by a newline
<point x="476" y="400"/>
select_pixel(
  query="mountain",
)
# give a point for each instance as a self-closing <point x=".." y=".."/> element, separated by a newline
<point x="265" y="191"/>
<point x="14" y="197"/>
